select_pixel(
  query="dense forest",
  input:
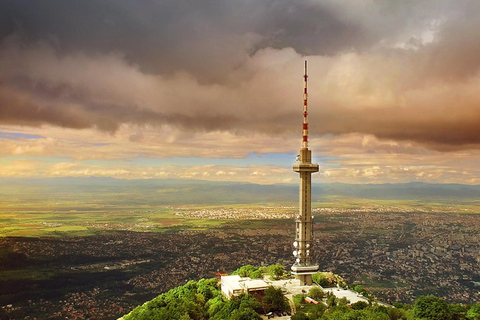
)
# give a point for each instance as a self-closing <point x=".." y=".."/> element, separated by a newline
<point x="203" y="300"/>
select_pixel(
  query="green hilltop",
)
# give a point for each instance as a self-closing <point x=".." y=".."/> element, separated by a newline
<point x="203" y="300"/>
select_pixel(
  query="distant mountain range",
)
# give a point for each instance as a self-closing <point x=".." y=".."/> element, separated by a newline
<point x="177" y="191"/>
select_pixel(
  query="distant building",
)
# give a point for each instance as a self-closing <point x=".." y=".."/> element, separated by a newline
<point x="236" y="285"/>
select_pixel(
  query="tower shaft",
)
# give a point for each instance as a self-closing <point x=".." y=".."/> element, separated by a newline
<point x="303" y="267"/>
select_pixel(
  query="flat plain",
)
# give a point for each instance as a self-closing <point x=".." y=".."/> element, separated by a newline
<point x="99" y="253"/>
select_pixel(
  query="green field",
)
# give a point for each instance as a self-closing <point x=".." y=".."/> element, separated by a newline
<point x="80" y="218"/>
<point x="27" y="224"/>
<point x="59" y="207"/>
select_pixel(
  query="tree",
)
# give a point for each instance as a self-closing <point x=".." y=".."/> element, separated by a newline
<point x="316" y="293"/>
<point x="359" y="305"/>
<point x="190" y="301"/>
<point x="322" y="279"/>
<point x="458" y="311"/>
<point x="249" y="302"/>
<point x="474" y="312"/>
<point x="227" y="309"/>
<point x="328" y="279"/>
<point x="343" y="301"/>
<point x="245" y="271"/>
<point x="275" y="270"/>
<point x="256" y="274"/>
<point x="243" y="307"/>
<point x="250" y="271"/>
<point x="358" y="288"/>
<point x="274" y="300"/>
<point x="399" y="305"/>
<point x="341" y="313"/>
<point x="246" y="314"/>
<point x="215" y="305"/>
<point x="431" y="308"/>
<point x="397" y="314"/>
<point x="208" y="288"/>
<point x="374" y="313"/>
<point x="316" y="311"/>
<point x="332" y="300"/>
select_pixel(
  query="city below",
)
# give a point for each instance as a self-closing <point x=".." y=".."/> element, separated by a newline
<point x="397" y="254"/>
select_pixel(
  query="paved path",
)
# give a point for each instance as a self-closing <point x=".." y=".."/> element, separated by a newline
<point x="352" y="296"/>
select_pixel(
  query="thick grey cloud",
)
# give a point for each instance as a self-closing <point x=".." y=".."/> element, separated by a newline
<point x="208" y="38"/>
<point x="401" y="70"/>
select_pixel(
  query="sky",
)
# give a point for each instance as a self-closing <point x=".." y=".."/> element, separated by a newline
<point x="212" y="89"/>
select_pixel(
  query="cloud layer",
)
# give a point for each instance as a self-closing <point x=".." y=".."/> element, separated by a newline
<point x="406" y="71"/>
<point x="222" y="79"/>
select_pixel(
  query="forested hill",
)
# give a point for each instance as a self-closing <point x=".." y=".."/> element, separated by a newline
<point x="203" y="300"/>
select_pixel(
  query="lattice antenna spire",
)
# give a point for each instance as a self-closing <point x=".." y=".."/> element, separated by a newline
<point x="305" y="110"/>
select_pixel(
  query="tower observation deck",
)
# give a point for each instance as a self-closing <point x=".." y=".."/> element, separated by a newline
<point x="303" y="267"/>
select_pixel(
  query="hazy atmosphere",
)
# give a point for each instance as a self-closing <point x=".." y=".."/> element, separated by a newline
<point x="212" y="90"/>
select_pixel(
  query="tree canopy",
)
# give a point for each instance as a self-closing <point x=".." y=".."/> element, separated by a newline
<point x="328" y="279"/>
<point x="275" y="270"/>
<point x="250" y="271"/>
<point x="202" y="300"/>
<point x="431" y="308"/>
<point x="316" y="293"/>
<point x="274" y="300"/>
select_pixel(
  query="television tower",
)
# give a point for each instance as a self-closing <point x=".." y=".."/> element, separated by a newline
<point x="303" y="267"/>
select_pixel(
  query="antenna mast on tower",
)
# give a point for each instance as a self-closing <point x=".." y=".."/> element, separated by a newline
<point x="305" y="109"/>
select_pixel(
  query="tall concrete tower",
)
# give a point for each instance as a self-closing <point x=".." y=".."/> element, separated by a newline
<point x="303" y="267"/>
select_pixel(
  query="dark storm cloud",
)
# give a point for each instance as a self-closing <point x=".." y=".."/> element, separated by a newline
<point x="209" y="65"/>
<point x="206" y="38"/>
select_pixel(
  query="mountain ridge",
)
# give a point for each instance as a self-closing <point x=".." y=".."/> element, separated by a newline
<point x="182" y="191"/>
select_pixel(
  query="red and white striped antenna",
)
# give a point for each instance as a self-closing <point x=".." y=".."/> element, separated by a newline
<point x="305" y="110"/>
